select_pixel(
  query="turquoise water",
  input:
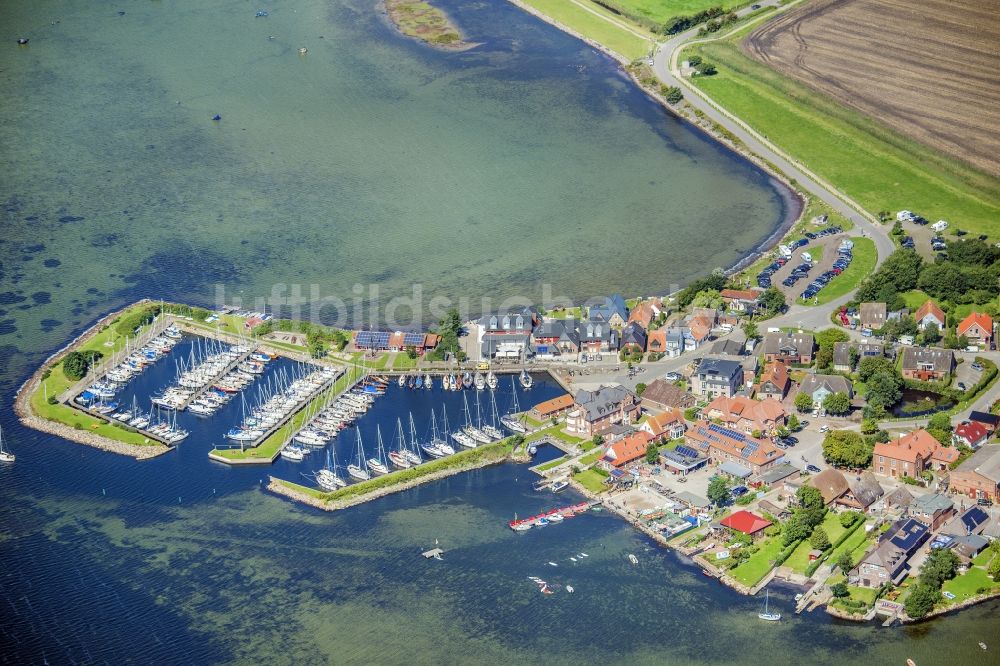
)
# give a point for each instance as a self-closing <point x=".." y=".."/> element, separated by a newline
<point x="371" y="160"/>
<point x="529" y="159"/>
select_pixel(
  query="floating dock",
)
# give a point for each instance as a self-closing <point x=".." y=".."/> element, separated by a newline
<point x="565" y="512"/>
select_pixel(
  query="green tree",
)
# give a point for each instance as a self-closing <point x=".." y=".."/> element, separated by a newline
<point x="718" y="490"/>
<point x="837" y="403"/>
<point x="939" y="425"/>
<point x="940" y="565"/>
<point x="819" y="540"/>
<point x="694" y="61"/>
<point x="846" y="448"/>
<point x="795" y="529"/>
<point x="845" y="562"/>
<point x="598" y="441"/>
<point x="672" y="94"/>
<point x="640" y="388"/>
<point x="994" y="569"/>
<point x="884" y="390"/>
<point x="810" y="498"/>
<point x="76" y="364"/>
<point x="931" y="334"/>
<point x="652" y="453"/>
<point x="317" y="348"/>
<point x="709" y="298"/>
<point x="793" y="422"/>
<point x="823" y="358"/>
<point x="921" y="600"/>
<point x="771" y="301"/>
<point x="848" y="518"/>
<point x="897" y="274"/>
<point x="870" y="365"/>
<point x="869" y="426"/>
<point x="828" y="337"/>
<point x="840" y="590"/>
<point x="803" y="402"/>
<point x="411" y="352"/>
<point x="750" y="330"/>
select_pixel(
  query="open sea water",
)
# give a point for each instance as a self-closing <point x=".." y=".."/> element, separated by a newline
<point x="371" y="159"/>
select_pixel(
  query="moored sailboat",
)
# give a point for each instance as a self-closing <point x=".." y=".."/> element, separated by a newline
<point x="357" y="470"/>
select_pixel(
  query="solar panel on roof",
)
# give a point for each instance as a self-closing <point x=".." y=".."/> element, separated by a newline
<point x="372" y="339"/>
<point x="732" y="434"/>
<point x="414" y="339"/>
<point x="749" y="449"/>
<point x="686" y="451"/>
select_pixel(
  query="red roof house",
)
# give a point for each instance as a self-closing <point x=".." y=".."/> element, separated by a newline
<point x="970" y="434"/>
<point x="626" y="450"/>
<point x="746" y="523"/>
<point x="978" y="328"/>
<point x="252" y="323"/>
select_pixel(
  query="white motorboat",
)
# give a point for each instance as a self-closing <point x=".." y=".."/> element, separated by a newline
<point x="292" y="454"/>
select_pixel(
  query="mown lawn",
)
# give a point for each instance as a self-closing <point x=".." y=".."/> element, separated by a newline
<point x="861" y="266"/>
<point x="755" y="568"/>
<point x="592" y="480"/>
<point x="799" y="559"/>
<point x="552" y="463"/>
<point x="609" y="33"/>
<point x="403" y="362"/>
<point x="965" y="586"/>
<point x="877" y="167"/>
<point x="856" y="545"/>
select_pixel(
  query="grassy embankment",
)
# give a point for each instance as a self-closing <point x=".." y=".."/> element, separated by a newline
<point x="466" y="458"/>
<point x="660" y="11"/>
<point x="599" y="24"/>
<point x="107" y="342"/>
<point x="877" y="167"/>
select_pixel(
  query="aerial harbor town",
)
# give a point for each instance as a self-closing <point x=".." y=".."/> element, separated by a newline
<point x="742" y="379"/>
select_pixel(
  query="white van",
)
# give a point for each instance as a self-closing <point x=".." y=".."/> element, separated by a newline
<point x="808" y="258"/>
<point x="904" y="216"/>
<point x="940" y="225"/>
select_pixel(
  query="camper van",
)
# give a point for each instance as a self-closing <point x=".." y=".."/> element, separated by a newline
<point x="939" y="226"/>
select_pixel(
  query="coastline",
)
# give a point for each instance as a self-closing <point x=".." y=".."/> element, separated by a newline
<point x="794" y="202"/>
<point x="27" y="416"/>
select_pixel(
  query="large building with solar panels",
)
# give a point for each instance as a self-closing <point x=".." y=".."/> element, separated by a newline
<point x="724" y="445"/>
<point x="394" y="341"/>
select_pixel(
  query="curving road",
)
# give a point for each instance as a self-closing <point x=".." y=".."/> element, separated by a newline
<point x="666" y="69"/>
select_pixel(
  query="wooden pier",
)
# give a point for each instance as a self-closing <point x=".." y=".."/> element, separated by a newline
<point x="298" y="408"/>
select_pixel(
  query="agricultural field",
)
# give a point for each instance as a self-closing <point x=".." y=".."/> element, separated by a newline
<point x="863" y="157"/>
<point x="927" y="69"/>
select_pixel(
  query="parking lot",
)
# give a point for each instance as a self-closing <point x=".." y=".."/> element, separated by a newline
<point x="793" y="276"/>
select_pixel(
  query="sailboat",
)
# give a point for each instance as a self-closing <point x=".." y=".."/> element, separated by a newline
<point x="327" y="478"/>
<point x="428" y="381"/>
<point x="397" y="456"/>
<point x="442" y="442"/>
<point x="377" y="464"/>
<point x="492" y="428"/>
<point x="358" y="470"/>
<point x="412" y="452"/>
<point x="5" y="455"/>
<point x="462" y="436"/>
<point x="467" y="380"/>
<point x="432" y="447"/>
<point x="476" y="432"/>
<point x="479" y="381"/>
<point x="492" y="381"/>
<point x="526" y="380"/>
<point x="767" y="615"/>
<point x="510" y="421"/>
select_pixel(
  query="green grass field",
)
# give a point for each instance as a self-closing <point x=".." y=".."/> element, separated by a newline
<point x="592" y="480"/>
<point x="403" y="362"/>
<point x="865" y="256"/>
<point x="552" y="463"/>
<point x="661" y="10"/>
<point x="799" y="559"/>
<point x="610" y="33"/>
<point x="755" y="568"/>
<point x="875" y="166"/>
<point x="107" y="342"/>
<point x="967" y="584"/>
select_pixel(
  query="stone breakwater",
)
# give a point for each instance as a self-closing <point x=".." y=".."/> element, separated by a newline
<point x="139" y="452"/>
<point x="22" y="401"/>
<point x="279" y="487"/>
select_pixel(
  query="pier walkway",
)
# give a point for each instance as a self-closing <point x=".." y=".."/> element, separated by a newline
<point x="326" y="386"/>
<point x="225" y="371"/>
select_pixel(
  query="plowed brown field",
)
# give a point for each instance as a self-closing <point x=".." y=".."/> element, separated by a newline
<point x="928" y="68"/>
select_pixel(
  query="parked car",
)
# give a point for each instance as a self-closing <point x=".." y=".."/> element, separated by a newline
<point x="738" y="491"/>
<point x="813" y="469"/>
<point x="672" y="376"/>
<point x="824" y="428"/>
<point x="977" y="367"/>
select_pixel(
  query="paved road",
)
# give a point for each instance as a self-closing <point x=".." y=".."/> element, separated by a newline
<point x="666" y="69"/>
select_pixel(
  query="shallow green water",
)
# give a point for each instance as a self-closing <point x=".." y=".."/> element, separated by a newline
<point x="370" y="160"/>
